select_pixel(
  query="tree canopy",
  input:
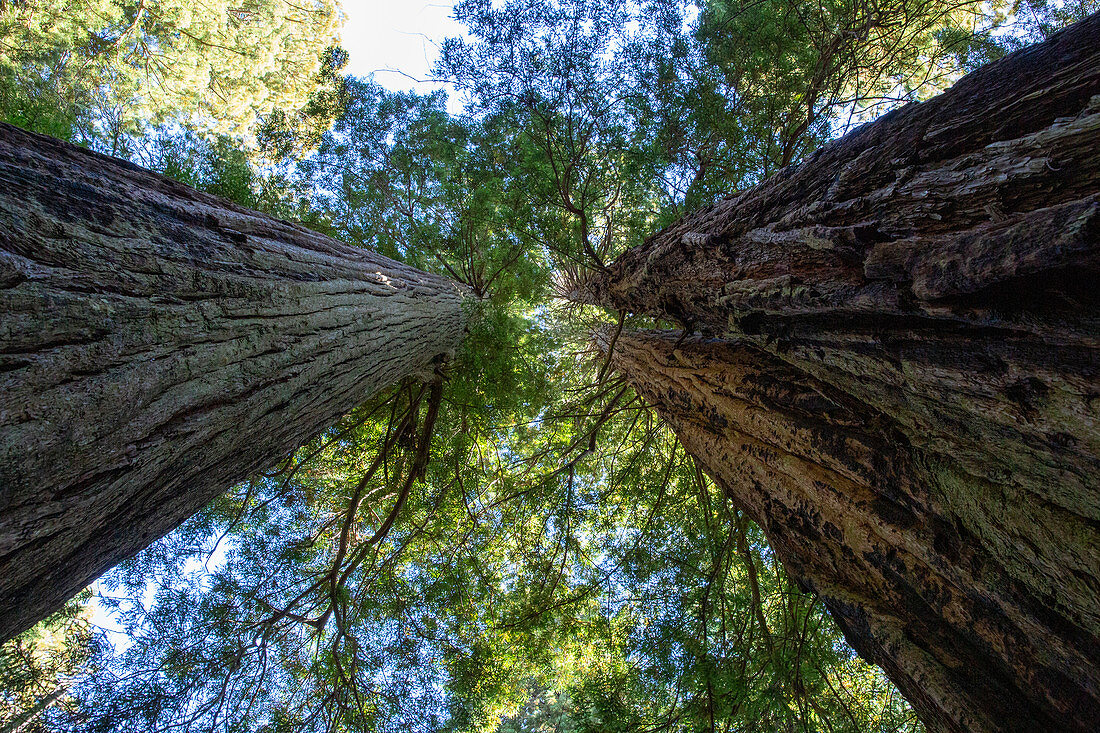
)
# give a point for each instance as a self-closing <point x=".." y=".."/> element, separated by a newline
<point x="111" y="67"/>
<point x="515" y="543"/>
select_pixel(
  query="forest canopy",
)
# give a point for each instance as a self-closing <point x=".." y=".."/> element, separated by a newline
<point x="104" y="69"/>
<point x="517" y="543"/>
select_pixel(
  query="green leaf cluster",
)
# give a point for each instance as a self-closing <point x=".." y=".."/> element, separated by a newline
<point x="106" y="69"/>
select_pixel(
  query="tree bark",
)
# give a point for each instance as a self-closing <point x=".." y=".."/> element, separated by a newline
<point x="157" y="345"/>
<point x="898" y="377"/>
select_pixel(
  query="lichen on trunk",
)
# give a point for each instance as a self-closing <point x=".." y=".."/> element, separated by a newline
<point x="898" y="376"/>
<point x="158" y="344"/>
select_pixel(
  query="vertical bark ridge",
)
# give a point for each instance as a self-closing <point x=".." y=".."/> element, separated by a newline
<point x="158" y="344"/>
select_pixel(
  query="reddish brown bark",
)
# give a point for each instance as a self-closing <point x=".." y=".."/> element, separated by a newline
<point x="157" y="345"/>
<point x="899" y="379"/>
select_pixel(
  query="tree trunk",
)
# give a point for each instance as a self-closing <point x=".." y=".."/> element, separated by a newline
<point x="899" y="379"/>
<point x="159" y="344"/>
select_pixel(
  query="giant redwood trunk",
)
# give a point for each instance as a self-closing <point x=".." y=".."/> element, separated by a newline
<point x="897" y="374"/>
<point x="158" y="344"/>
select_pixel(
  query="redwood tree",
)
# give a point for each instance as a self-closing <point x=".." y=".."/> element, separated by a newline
<point x="897" y="374"/>
<point x="159" y="344"/>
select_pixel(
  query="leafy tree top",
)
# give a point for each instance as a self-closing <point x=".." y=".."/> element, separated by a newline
<point x="220" y="65"/>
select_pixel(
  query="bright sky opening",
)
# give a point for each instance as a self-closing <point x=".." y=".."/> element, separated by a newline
<point x="397" y="42"/>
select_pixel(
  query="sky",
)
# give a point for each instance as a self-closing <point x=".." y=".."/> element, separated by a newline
<point x="397" y="40"/>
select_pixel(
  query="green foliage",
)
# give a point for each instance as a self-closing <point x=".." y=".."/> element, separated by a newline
<point x="807" y="70"/>
<point x="625" y="115"/>
<point x="1012" y="26"/>
<point x="515" y="542"/>
<point x="34" y="102"/>
<point x="118" y="65"/>
<point x="37" y="667"/>
<point x="554" y="84"/>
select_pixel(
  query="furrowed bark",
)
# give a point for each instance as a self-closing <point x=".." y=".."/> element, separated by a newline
<point x="870" y="524"/>
<point x="899" y="378"/>
<point x="157" y="345"/>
